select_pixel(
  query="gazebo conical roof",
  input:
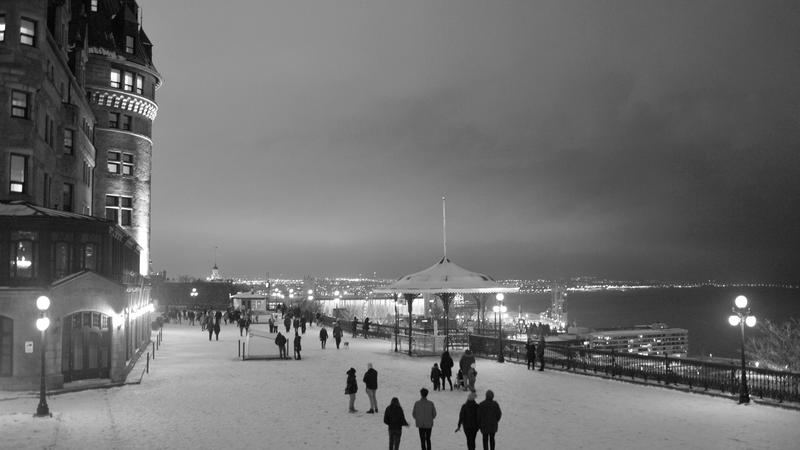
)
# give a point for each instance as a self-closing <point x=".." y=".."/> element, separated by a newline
<point x="446" y="277"/>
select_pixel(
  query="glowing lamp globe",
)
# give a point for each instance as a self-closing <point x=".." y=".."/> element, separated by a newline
<point x="42" y="323"/>
<point x="740" y="302"/>
<point x="750" y="321"/>
<point x="43" y="303"/>
<point x="734" y="320"/>
<point x="500" y="297"/>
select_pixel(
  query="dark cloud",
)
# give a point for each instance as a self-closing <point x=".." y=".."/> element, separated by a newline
<point x="629" y="139"/>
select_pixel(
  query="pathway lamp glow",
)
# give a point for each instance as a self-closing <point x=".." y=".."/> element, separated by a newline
<point x="741" y="316"/>
<point x="500" y="309"/>
<point x="42" y="323"/>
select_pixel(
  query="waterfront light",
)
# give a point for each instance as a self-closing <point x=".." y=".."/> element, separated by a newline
<point x="741" y="316"/>
<point x="500" y="309"/>
<point x="42" y="323"/>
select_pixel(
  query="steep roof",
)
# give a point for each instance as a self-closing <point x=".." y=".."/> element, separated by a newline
<point x="446" y="277"/>
<point x="19" y="208"/>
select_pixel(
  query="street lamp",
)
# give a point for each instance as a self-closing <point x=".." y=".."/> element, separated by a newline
<point x="42" y="323"/>
<point x="501" y="309"/>
<point x="741" y="316"/>
<point x="396" y="323"/>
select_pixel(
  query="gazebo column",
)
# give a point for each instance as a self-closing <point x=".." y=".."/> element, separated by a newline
<point x="409" y="301"/>
<point x="446" y="297"/>
<point x="480" y="313"/>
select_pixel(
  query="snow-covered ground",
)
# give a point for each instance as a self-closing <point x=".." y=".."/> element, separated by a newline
<point x="198" y="395"/>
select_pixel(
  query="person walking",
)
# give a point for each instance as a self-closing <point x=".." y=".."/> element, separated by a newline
<point x="271" y="323"/>
<point x="303" y="325"/>
<point x="296" y="345"/>
<point x="210" y="324"/>
<point x="436" y="376"/>
<point x="216" y="329"/>
<point x="287" y="322"/>
<point x="366" y="327"/>
<point x="396" y="419"/>
<point x="468" y="418"/>
<point x="423" y="413"/>
<point x="280" y="341"/>
<point x="351" y="388"/>
<point x="446" y="366"/>
<point x="323" y="337"/>
<point x="488" y="416"/>
<point x="530" y="353"/>
<point x="337" y="334"/>
<point x="371" y="382"/>
<point x="355" y="326"/>
<point x="540" y="352"/>
<point x="467" y="365"/>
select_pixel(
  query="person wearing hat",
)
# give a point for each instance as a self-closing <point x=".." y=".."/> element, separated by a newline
<point x="351" y="388"/>
<point x="395" y="419"/>
<point x="468" y="418"/>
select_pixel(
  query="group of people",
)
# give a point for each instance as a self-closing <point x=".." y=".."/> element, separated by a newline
<point x="472" y="417"/>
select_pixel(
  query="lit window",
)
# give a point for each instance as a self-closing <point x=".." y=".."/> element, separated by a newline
<point x="66" y="196"/>
<point x="23" y="254"/>
<point x="93" y="6"/>
<point x="69" y="136"/>
<point x="126" y="122"/>
<point x="139" y="84"/>
<point x="128" y="81"/>
<point x="119" y="209"/>
<point x="113" y="120"/>
<point x="27" y="32"/>
<point x="18" y="174"/>
<point x="19" y="104"/>
<point x="2" y="27"/>
<point x="115" y="78"/>
<point x="129" y="41"/>
<point x="89" y="256"/>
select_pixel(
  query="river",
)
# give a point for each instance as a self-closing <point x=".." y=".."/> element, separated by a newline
<point x="703" y="311"/>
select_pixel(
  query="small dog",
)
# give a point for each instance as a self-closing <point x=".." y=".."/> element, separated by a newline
<point x="346" y="345"/>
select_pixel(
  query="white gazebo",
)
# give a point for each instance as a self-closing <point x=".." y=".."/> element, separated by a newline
<point x="444" y="279"/>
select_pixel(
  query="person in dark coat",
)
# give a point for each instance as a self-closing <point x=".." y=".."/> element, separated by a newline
<point x="355" y="326"/>
<point x="323" y="337"/>
<point x="436" y="376"/>
<point x="280" y="341"/>
<point x="366" y="327"/>
<point x="396" y="419"/>
<point x="530" y="353"/>
<point x="467" y="365"/>
<point x="371" y="382"/>
<point x="540" y="352"/>
<point x="337" y="334"/>
<point x="303" y="325"/>
<point x="446" y="366"/>
<point x="216" y="329"/>
<point x="488" y="416"/>
<point x="210" y="324"/>
<point x="296" y="324"/>
<point x="468" y="418"/>
<point x="287" y="322"/>
<point x="351" y="388"/>
<point x="296" y="345"/>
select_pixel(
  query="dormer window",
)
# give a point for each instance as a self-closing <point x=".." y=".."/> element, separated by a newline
<point x="93" y="6"/>
<point x="129" y="41"/>
<point x="27" y="32"/>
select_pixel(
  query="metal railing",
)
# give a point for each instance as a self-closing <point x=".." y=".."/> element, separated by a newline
<point x="694" y="374"/>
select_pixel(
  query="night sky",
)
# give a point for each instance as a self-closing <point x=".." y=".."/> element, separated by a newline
<point x="635" y="139"/>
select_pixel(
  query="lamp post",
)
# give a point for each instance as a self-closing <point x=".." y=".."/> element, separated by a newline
<point x="741" y="316"/>
<point x="500" y="308"/>
<point x="396" y="323"/>
<point x="42" y="323"/>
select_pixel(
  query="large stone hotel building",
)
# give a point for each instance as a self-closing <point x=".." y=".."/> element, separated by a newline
<point x="77" y="104"/>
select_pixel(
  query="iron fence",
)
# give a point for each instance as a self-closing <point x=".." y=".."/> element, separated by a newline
<point x="694" y="374"/>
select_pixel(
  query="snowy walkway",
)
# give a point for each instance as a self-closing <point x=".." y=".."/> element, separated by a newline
<point x="198" y="395"/>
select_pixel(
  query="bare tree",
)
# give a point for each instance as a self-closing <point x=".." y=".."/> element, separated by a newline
<point x="777" y="346"/>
